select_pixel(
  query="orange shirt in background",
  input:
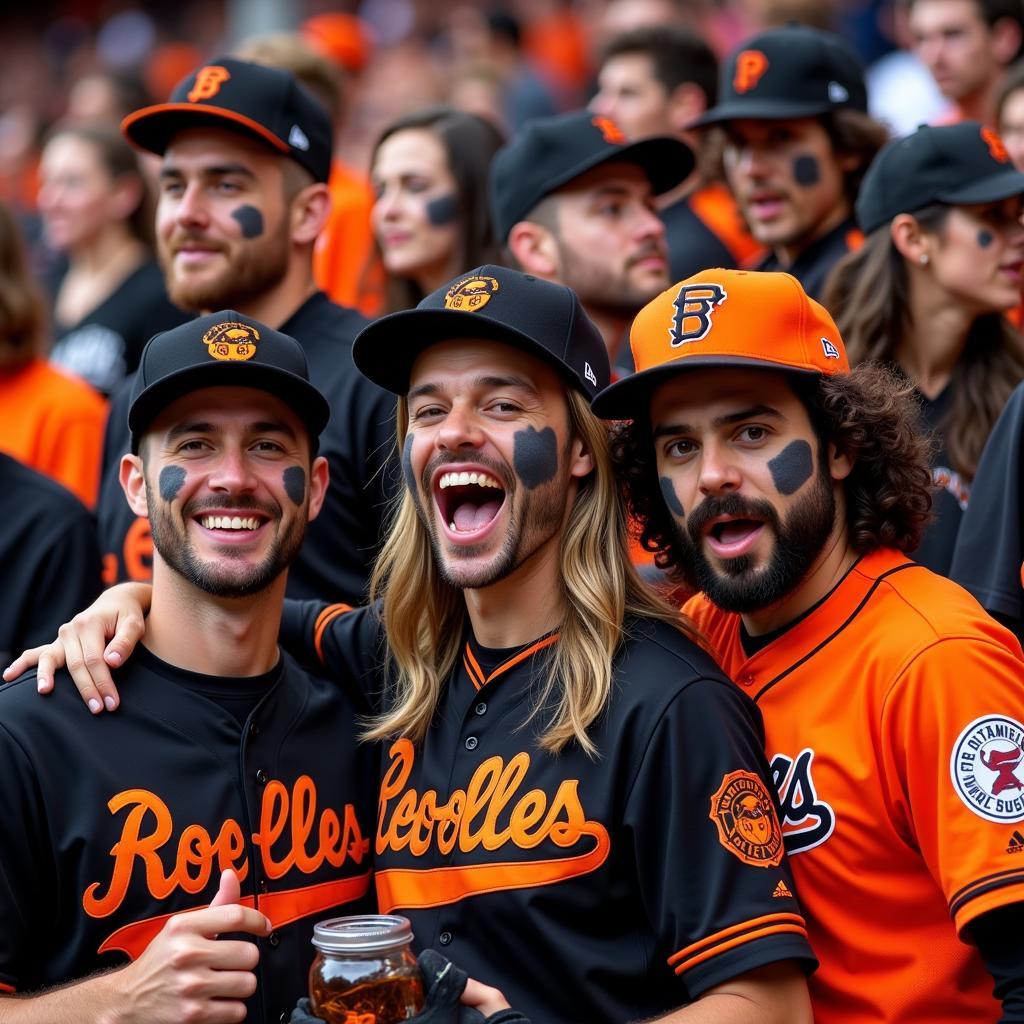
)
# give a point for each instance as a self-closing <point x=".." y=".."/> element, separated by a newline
<point x="345" y="261"/>
<point x="54" y="423"/>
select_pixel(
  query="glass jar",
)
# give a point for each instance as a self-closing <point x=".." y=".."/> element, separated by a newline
<point x="364" y="971"/>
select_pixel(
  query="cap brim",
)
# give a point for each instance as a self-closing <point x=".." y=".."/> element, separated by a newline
<point x="629" y="398"/>
<point x="152" y="128"/>
<point x="299" y="395"/>
<point x="767" y="110"/>
<point x="385" y="350"/>
<point x="1003" y="185"/>
<point x="666" y="161"/>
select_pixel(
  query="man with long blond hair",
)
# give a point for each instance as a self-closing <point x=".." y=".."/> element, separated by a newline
<point x="567" y="775"/>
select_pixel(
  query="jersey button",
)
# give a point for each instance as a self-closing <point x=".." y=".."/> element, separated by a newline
<point x="748" y="680"/>
<point x="445" y="938"/>
<point x="471" y="742"/>
<point x="481" y="708"/>
<point x="274" y="939"/>
<point x="261" y="776"/>
<point x="254" y="728"/>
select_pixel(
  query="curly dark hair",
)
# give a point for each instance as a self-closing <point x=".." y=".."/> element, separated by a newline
<point x="869" y="414"/>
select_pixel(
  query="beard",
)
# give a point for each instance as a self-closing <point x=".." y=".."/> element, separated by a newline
<point x="605" y="291"/>
<point x="171" y="541"/>
<point x="254" y="266"/>
<point x="530" y="527"/>
<point x="738" y="586"/>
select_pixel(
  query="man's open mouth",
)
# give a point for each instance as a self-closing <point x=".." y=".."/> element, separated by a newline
<point x="731" y="537"/>
<point x="468" y="500"/>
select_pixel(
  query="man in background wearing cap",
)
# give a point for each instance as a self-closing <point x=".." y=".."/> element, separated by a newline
<point x="797" y="140"/>
<point x="787" y="489"/>
<point x="967" y="46"/>
<point x="119" y="827"/>
<point x="567" y="773"/>
<point x="656" y="80"/>
<point x="246" y="151"/>
<point x="574" y="203"/>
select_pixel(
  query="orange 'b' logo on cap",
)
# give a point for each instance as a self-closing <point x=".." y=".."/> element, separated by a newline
<point x="231" y="341"/>
<point x="208" y="83"/>
<point x="750" y="66"/>
<point x="995" y="145"/>
<point x="610" y="131"/>
<point x="694" y="305"/>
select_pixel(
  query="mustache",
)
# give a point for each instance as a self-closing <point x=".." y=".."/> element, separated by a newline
<point x="182" y="238"/>
<point x="731" y="505"/>
<point x="240" y="503"/>
<point x="649" y="249"/>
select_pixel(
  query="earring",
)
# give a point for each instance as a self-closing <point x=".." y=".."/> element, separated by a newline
<point x="923" y="259"/>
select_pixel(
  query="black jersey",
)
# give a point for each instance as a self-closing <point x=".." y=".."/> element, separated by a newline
<point x="812" y="267"/>
<point x="105" y="345"/>
<point x="115" y="822"/>
<point x="989" y="548"/>
<point x="340" y="545"/>
<point x="50" y="557"/>
<point x="628" y="883"/>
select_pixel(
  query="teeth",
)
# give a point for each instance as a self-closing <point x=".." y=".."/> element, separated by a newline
<point x="230" y="523"/>
<point x="462" y="479"/>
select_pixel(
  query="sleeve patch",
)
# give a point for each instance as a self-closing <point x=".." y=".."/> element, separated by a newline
<point x="986" y="768"/>
<point x="745" y="818"/>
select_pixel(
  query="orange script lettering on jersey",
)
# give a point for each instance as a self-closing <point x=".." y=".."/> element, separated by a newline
<point x="148" y="831"/>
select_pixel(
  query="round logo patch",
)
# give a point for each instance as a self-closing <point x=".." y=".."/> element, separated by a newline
<point x="745" y="818"/>
<point x="986" y="768"/>
<point x="471" y="293"/>
<point x="232" y="341"/>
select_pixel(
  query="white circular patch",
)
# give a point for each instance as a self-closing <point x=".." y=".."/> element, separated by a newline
<point x="986" y="768"/>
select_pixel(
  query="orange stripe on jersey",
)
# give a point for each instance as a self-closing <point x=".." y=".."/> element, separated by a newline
<point x="324" y="619"/>
<point x="740" y="940"/>
<point x="522" y="656"/>
<point x="473" y="677"/>
<point x="727" y="933"/>
<point x="476" y="673"/>
<point x="281" y="907"/>
<point x="436" y="887"/>
<point x="980" y="886"/>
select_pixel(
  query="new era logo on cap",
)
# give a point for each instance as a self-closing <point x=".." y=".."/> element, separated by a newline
<point x="837" y="93"/>
<point x="588" y="372"/>
<point x="297" y="138"/>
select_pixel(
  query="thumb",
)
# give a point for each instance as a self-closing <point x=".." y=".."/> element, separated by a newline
<point x="229" y="891"/>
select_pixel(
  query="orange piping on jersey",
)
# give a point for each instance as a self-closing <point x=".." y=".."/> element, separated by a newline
<point x="980" y="886"/>
<point x="281" y="907"/>
<point x="740" y="940"/>
<point x="476" y="673"/>
<point x="715" y="206"/>
<point x="992" y="899"/>
<point x="323" y="620"/>
<point x="732" y="930"/>
<point x="435" y="887"/>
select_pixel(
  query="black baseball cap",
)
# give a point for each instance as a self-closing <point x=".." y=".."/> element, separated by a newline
<point x="550" y="151"/>
<point x="497" y="304"/>
<point x="267" y="104"/>
<point x="224" y="349"/>
<point x="793" y="71"/>
<point x="956" y="163"/>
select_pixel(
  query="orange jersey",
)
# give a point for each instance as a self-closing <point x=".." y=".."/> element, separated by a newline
<point x="893" y="718"/>
<point x="54" y="423"/>
<point x="345" y="262"/>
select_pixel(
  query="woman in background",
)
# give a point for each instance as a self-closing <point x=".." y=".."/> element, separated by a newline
<point x="48" y="419"/>
<point x="108" y="298"/>
<point x="942" y="265"/>
<point x="431" y="218"/>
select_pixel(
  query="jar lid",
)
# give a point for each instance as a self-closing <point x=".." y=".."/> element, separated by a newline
<point x="361" y="933"/>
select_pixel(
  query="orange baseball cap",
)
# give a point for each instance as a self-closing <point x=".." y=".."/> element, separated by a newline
<point x="739" y="318"/>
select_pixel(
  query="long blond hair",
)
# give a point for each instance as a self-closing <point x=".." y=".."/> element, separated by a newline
<point x="424" y="616"/>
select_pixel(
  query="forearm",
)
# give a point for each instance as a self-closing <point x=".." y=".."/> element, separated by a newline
<point x="776" y="994"/>
<point x="95" y="999"/>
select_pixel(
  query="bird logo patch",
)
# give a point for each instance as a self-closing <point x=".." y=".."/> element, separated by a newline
<point x="471" y="294"/>
<point x="986" y="768"/>
<point x="745" y="818"/>
<point x="231" y="341"/>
